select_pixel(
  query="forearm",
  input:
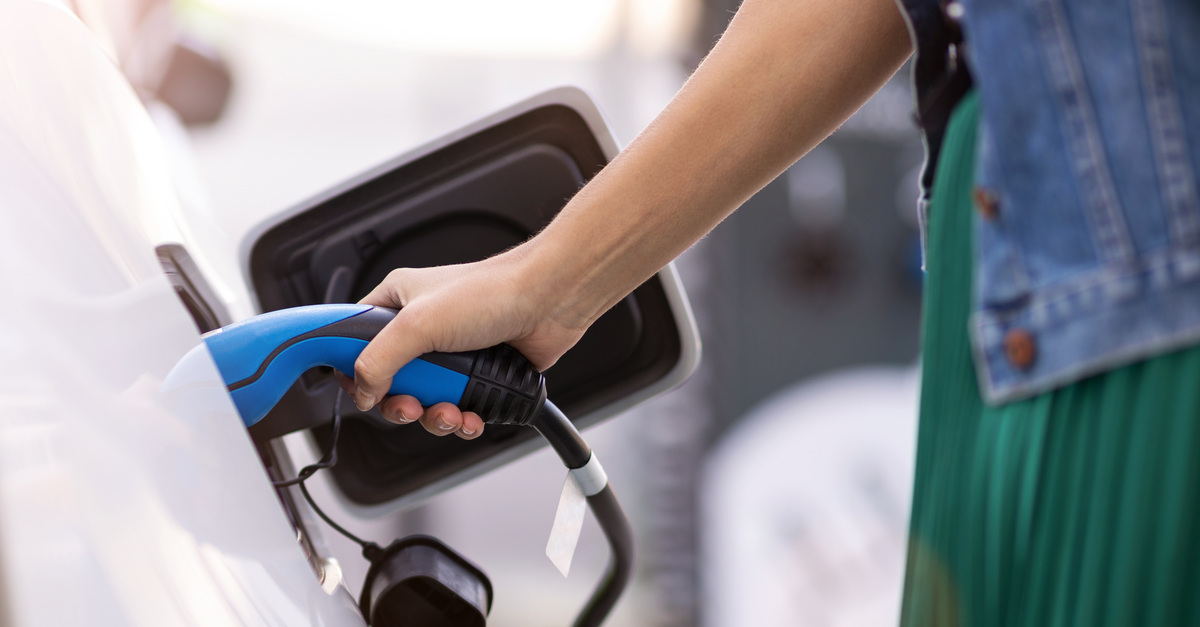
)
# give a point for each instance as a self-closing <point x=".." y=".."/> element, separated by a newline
<point x="785" y="74"/>
<point x="783" y="77"/>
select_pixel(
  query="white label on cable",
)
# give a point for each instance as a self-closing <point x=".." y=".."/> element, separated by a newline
<point x="568" y="523"/>
<point x="591" y="477"/>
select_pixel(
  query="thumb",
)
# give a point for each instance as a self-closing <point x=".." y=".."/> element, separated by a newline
<point x="396" y="345"/>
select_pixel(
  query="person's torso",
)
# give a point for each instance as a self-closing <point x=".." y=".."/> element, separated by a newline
<point x="1088" y="231"/>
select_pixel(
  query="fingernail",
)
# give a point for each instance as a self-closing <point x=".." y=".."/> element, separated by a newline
<point x="468" y="431"/>
<point x="445" y="426"/>
<point x="363" y="400"/>
<point x="402" y="419"/>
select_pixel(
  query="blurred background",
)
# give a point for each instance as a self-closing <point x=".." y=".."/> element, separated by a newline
<point x="772" y="488"/>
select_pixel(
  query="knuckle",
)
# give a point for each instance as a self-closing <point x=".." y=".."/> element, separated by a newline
<point x="365" y="367"/>
<point x="397" y="282"/>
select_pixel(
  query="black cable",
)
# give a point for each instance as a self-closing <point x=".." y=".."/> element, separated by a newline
<point x="563" y="437"/>
<point x="558" y="430"/>
<point x="575" y="453"/>
<point x="617" y="530"/>
<point x="328" y="460"/>
<point x="329" y="521"/>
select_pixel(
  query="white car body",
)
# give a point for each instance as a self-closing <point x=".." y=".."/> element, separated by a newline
<point x="118" y="505"/>
<point x="124" y="501"/>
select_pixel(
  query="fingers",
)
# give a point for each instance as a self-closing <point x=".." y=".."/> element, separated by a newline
<point x="441" y="419"/>
<point x="472" y="426"/>
<point x="401" y="409"/>
<point x="445" y="418"/>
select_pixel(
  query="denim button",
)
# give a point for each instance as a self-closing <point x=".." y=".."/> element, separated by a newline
<point x="986" y="202"/>
<point x="1020" y="348"/>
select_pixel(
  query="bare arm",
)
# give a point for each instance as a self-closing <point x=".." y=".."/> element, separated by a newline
<point x="783" y="77"/>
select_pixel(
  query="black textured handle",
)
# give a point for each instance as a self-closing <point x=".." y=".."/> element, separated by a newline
<point x="504" y="388"/>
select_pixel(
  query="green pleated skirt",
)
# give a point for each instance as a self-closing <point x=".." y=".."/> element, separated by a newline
<point x="1080" y="506"/>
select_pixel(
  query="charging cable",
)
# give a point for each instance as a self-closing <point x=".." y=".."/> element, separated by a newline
<point x="585" y="470"/>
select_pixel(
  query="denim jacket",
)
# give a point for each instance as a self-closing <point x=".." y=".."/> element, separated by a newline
<point x="1087" y="250"/>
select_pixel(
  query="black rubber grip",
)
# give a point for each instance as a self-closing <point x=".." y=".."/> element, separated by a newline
<point x="504" y="388"/>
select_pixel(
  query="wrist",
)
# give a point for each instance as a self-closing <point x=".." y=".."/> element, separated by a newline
<point x="553" y="274"/>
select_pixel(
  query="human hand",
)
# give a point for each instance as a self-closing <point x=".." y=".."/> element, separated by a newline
<point x="456" y="308"/>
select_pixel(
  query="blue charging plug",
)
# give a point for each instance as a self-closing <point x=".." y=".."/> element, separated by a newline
<point x="261" y="357"/>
